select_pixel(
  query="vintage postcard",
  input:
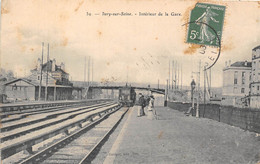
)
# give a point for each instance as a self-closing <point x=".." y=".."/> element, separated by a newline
<point x="126" y="81"/>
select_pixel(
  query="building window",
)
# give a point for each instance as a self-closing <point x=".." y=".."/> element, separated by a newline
<point x="242" y="90"/>
<point x="243" y="77"/>
<point x="235" y="77"/>
<point x="38" y="77"/>
<point x="258" y="87"/>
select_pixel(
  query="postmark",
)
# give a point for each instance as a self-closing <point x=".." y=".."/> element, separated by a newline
<point x="205" y="30"/>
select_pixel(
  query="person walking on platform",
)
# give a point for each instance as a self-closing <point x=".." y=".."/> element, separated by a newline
<point x="151" y="110"/>
<point x="147" y="100"/>
<point x="140" y="105"/>
<point x="152" y="101"/>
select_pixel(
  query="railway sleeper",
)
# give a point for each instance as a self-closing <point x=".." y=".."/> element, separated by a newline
<point x="30" y="150"/>
<point x="80" y="125"/>
<point x="13" y="149"/>
<point x="60" y="144"/>
<point x="67" y="132"/>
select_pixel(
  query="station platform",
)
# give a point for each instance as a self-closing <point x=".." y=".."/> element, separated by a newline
<point x="176" y="138"/>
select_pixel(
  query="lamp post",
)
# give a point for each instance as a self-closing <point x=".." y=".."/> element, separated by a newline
<point x="193" y="85"/>
<point x="149" y="90"/>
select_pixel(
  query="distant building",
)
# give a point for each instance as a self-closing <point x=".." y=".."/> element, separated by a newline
<point x="59" y="86"/>
<point x="255" y="81"/>
<point x="21" y="89"/>
<point x="56" y="73"/>
<point x="236" y="81"/>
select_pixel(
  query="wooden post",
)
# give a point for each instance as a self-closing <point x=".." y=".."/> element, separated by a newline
<point x="198" y="99"/>
<point x="47" y="72"/>
<point x="192" y="94"/>
<point x="181" y="76"/>
<point x="204" y="95"/>
<point x="178" y="67"/>
<point x="54" y="93"/>
<point x="40" y="86"/>
<point x="88" y="71"/>
<point x="169" y="83"/>
<point x="172" y="72"/>
<point x="92" y="74"/>
<point x="175" y="80"/>
<point x="197" y="110"/>
<point x="166" y="94"/>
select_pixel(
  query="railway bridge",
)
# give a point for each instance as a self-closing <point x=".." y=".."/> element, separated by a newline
<point x="91" y="91"/>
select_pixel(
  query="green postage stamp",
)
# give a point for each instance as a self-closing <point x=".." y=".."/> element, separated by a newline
<point x="206" y="24"/>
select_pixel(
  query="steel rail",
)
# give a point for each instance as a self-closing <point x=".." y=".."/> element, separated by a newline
<point x="43" y="154"/>
<point x="11" y="127"/>
<point x="38" y="111"/>
<point x="92" y="153"/>
<point x="19" y="107"/>
<point x="8" y="137"/>
<point x="27" y="144"/>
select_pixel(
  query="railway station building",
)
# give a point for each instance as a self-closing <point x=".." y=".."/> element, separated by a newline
<point x="58" y="85"/>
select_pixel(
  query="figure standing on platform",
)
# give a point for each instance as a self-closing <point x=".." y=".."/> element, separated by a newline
<point x="147" y="100"/>
<point x="152" y="101"/>
<point x="151" y="110"/>
<point x="140" y="105"/>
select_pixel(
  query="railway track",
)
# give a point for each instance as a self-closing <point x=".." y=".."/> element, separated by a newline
<point x="16" y="115"/>
<point x="31" y="118"/>
<point x="80" y="146"/>
<point x="62" y="125"/>
<point x="15" y="130"/>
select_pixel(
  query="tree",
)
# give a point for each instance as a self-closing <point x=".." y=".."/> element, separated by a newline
<point x="9" y="75"/>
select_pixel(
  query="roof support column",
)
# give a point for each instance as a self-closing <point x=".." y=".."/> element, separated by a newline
<point x="54" y="93"/>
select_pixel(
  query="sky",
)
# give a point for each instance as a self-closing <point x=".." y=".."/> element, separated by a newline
<point x="139" y="45"/>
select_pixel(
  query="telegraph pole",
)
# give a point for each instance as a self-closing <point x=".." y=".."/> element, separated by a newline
<point x="172" y="72"/>
<point x="166" y="94"/>
<point x="210" y="82"/>
<point x="169" y="85"/>
<point x="178" y="75"/>
<point x="175" y="75"/>
<point x="85" y="72"/>
<point x="198" y="99"/>
<point x="198" y="88"/>
<point x="46" y="86"/>
<point x="204" y="91"/>
<point x="88" y="70"/>
<point x="181" y="76"/>
<point x="40" y="86"/>
<point x="127" y="75"/>
<point x="92" y="70"/>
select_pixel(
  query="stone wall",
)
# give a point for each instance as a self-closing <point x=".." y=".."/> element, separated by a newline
<point x="245" y="118"/>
